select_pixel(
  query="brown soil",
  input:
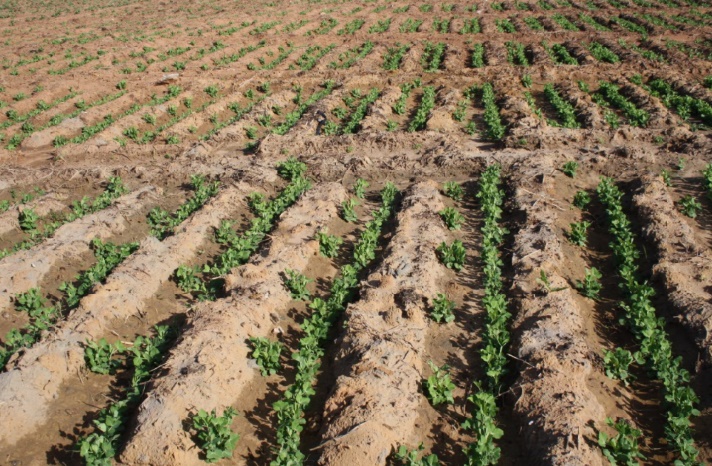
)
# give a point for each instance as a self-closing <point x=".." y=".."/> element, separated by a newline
<point x="369" y="390"/>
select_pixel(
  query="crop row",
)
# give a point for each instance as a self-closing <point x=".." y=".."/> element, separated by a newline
<point x="325" y="312"/>
<point x="655" y="347"/>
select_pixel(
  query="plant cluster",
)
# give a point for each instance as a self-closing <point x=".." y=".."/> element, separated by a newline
<point x="348" y="58"/>
<point x="297" y="283"/>
<point x="564" y="22"/>
<point x="453" y="190"/>
<point x="438" y="387"/>
<point x="353" y="123"/>
<point x="516" y="54"/>
<point x="707" y="179"/>
<point x="496" y="337"/>
<point x="564" y="110"/>
<point x="427" y="103"/>
<point x="493" y="122"/>
<point x="690" y="206"/>
<point x="410" y="25"/>
<point x="477" y="59"/>
<point x="616" y="364"/>
<point x="441" y="25"/>
<point x="648" y="329"/>
<point x="610" y="92"/>
<point x="351" y="27"/>
<point x="602" y="53"/>
<point x="266" y="352"/>
<point x="533" y="23"/>
<point x="146" y="353"/>
<point x="215" y="438"/>
<point x="623" y="448"/>
<point x="163" y="223"/>
<point x="442" y="309"/>
<point x="591" y="284"/>
<point x="329" y="244"/>
<point x="588" y="20"/>
<point x="432" y="56"/>
<point x="452" y="218"/>
<point x="452" y="256"/>
<point x="406" y="457"/>
<point x="241" y="247"/>
<point x="685" y="105"/>
<point x="399" y="107"/>
<point x="84" y="206"/>
<point x="560" y="54"/>
<point x="471" y="26"/>
<point x="505" y="25"/>
<point x="394" y="55"/>
<point x="382" y="25"/>
<point x="312" y="55"/>
<point x="290" y="409"/>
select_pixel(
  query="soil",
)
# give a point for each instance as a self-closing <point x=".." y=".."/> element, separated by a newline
<point x="85" y="96"/>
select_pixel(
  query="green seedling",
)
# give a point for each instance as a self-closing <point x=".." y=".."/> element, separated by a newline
<point x="452" y="218"/>
<point x="329" y="244"/>
<point x="442" y="309"/>
<point x="215" y="438"/>
<point x="579" y="233"/>
<point x="347" y="210"/>
<point x="266" y="353"/>
<point x="591" y="285"/>
<point x="297" y="283"/>
<point x="452" y="256"/>
<point x="438" y="387"/>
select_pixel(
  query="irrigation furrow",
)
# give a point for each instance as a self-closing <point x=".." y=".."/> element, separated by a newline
<point x="25" y="269"/>
<point x="554" y="404"/>
<point x="374" y="404"/>
<point x="27" y="390"/>
<point x="42" y="206"/>
<point x="682" y="262"/>
<point x="223" y="328"/>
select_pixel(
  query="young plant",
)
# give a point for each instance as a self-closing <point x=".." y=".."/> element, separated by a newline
<point x="360" y="188"/>
<point x="266" y="353"/>
<point x="99" y="356"/>
<point x="570" y="168"/>
<point x="291" y="169"/>
<point x="438" y="387"/>
<point x="329" y="244"/>
<point x="453" y="190"/>
<point x="442" y="309"/>
<point x="707" y="179"/>
<point x="690" y="206"/>
<point x="452" y="218"/>
<point x="543" y="280"/>
<point x="623" y="448"/>
<point x="414" y="457"/>
<point x="28" y="220"/>
<point x="666" y="177"/>
<point x="297" y="283"/>
<point x="581" y="199"/>
<point x="452" y="256"/>
<point x="214" y="435"/>
<point x="347" y="210"/>
<point x="591" y="285"/>
<point x="579" y="233"/>
<point x="616" y="364"/>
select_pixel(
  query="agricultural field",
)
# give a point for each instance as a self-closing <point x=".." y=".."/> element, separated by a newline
<point x="356" y="233"/>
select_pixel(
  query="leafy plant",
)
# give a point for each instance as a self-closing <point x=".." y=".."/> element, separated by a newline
<point x="453" y="256"/>
<point x="297" y="283"/>
<point x="438" y="387"/>
<point x="214" y="435"/>
<point x="452" y="218"/>
<point x="329" y="244"/>
<point x="28" y="220"/>
<point x="347" y="210"/>
<point x="427" y="103"/>
<point x="579" y="232"/>
<point x="415" y="457"/>
<point x="707" y="179"/>
<point x="266" y="353"/>
<point x="666" y="177"/>
<point x="360" y="188"/>
<point x="291" y="169"/>
<point x="442" y="309"/>
<point x="623" y="447"/>
<point x="543" y="280"/>
<point x="616" y="364"/>
<point x="581" y="199"/>
<point x="690" y="206"/>
<point x="570" y="168"/>
<point x="99" y="356"/>
<point x="564" y="109"/>
<point x="453" y="190"/>
<point x="591" y="285"/>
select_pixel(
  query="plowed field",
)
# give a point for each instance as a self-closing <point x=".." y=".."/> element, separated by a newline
<point x="370" y="233"/>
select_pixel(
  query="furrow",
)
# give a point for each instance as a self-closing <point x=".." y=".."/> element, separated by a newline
<point x="25" y="269"/>
<point x="222" y="328"/>
<point x="27" y="390"/>
<point x="374" y="404"/>
<point x="684" y="267"/>
<point x="554" y="404"/>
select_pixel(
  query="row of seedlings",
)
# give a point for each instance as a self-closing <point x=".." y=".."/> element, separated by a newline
<point x="204" y="282"/>
<point x="655" y="345"/>
<point x="358" y="104"/>
<point x="686" y="106"/>
<point x="312" y="346"/>
<point x="28" y="219"/>
<point x="43" y="317"/>
<point x="496" y="336"/>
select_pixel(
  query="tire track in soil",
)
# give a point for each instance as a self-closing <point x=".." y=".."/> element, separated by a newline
<point x="223" y="327"/>
<point x="374" y="404"/>
<point x="36" y="380"/>
<point x="554" y="404"/>
<point x="25" y="269"/>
